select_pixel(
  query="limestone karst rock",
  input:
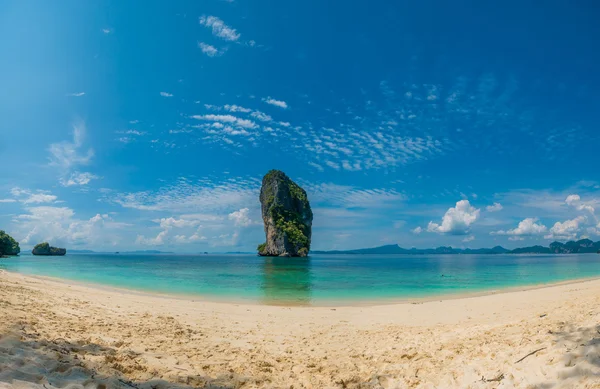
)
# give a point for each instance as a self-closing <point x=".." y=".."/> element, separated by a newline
<point x="286" y="215"/>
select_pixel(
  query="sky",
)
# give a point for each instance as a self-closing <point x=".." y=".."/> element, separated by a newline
<point x="149" y="124"/>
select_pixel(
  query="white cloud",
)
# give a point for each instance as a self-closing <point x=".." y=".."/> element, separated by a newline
<point x="567" y="229"/>
<point x="28" y="197"/>
<point x="134" y="132"/>
<point x="106" y="30"/>
<point x="158" y="240"/>
<point x="261" y="116"/>
<point x="316" y="166"/>
<point x="494" y="207"/>
<point x="233" y="120"/>
<point x="196" y="238"/>
<point x="457" y="220"/>
<point x="219" y="28"/>
<point x="351" y="197"/>
<point x="236" y="108"/>
<point x="78" y="178"/>
<point x="240" y="217"/>
<point x="189" y="196"/>
<point x="38" y="198"/>
<point x="574" y="200"/>
<point x="469" y="238"/>
<point x="8" y="201"/>
<point x="171" y="222"/>
<point x="166" y="94"/>
<point x="77" y="94"/>
<point x="527" y="227"/>
<point x="210" y="50"/>
<point x="417" y="230"/>
<point x="277" y="103"/>
<point x="59" y="226"/>
<point x="66" y="154"/>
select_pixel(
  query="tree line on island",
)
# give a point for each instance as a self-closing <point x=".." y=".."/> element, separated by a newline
<point x="10" y="247"/>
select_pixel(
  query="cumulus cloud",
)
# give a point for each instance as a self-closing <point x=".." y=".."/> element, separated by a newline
<point x="59" y="226"/>
<point x="457" y="220"/>
<point x="158" y="240"/>
<point x="494" y="207"/>
<point x="277" y="103"/>
<point x="166" y="94"/>
<point x="240" y="217"/>
<point x="527" y="227"/>
<point x="574" y="200"/>
<point x="219" y="28"/>
<point x="567" y="229"/>
<point x="417" y="230"/>
<point x="177" y="223"/>
<point x="469" y="238"/>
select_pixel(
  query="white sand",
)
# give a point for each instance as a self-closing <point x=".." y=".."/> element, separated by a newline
<point x="57" y="334"/>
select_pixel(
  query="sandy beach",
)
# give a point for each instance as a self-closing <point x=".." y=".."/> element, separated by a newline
<point x="56" y="334"/>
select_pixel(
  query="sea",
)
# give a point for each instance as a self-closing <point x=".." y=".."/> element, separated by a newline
<point x="317" y="280"/>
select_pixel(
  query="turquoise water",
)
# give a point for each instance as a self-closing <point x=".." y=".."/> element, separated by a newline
<point x="321" y="279"/>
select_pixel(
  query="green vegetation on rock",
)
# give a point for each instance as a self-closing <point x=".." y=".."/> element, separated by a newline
<point x="287" y="216"/>
<point x="46" y="249"/>
<point x="261" y="247"/>
<point x="8" y="246"/>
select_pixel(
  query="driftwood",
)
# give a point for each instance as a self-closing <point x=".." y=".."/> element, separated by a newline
<point x="531" y="353"/>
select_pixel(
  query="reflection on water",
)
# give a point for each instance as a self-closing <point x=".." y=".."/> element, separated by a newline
<point x="286" y="281"/>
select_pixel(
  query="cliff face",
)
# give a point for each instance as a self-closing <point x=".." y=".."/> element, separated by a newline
<point x="46" y="249"/>
<point x="286" y="215"/>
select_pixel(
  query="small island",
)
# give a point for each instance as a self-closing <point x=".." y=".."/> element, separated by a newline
<point x="46" y="249"/>
<point x="8" y="246"/>
<point x="286" y="215"/>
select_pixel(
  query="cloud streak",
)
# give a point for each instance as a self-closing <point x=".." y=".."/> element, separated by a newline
<point x="219" y="28"/>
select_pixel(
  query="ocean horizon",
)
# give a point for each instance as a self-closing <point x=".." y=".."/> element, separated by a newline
<point x="317" y="280"/>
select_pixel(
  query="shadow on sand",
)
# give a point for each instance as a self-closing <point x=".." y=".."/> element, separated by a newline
<point x="26" y="361"/>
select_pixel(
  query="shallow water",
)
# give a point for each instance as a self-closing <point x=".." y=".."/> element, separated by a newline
<point x="317" y="280"/>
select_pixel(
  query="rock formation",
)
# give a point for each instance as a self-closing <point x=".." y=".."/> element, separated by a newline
<point x="46" y="249"/>
<point x="8" y="246"/>
<point x="286" y="215"/>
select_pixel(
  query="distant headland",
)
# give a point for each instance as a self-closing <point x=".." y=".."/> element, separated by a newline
<point x="572" y="247"/>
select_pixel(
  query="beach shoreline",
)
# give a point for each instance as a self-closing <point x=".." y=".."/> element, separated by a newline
<point x="149" y="340"/>
<point x="332" y="303"/>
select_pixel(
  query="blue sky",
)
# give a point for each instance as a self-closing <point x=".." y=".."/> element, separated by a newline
<point x="149" y="125"/>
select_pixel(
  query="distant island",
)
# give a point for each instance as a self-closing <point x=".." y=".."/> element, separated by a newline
<point x="46" y="249"/>
<point x="8" y="246"/>
<point x="571" y="247"/>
